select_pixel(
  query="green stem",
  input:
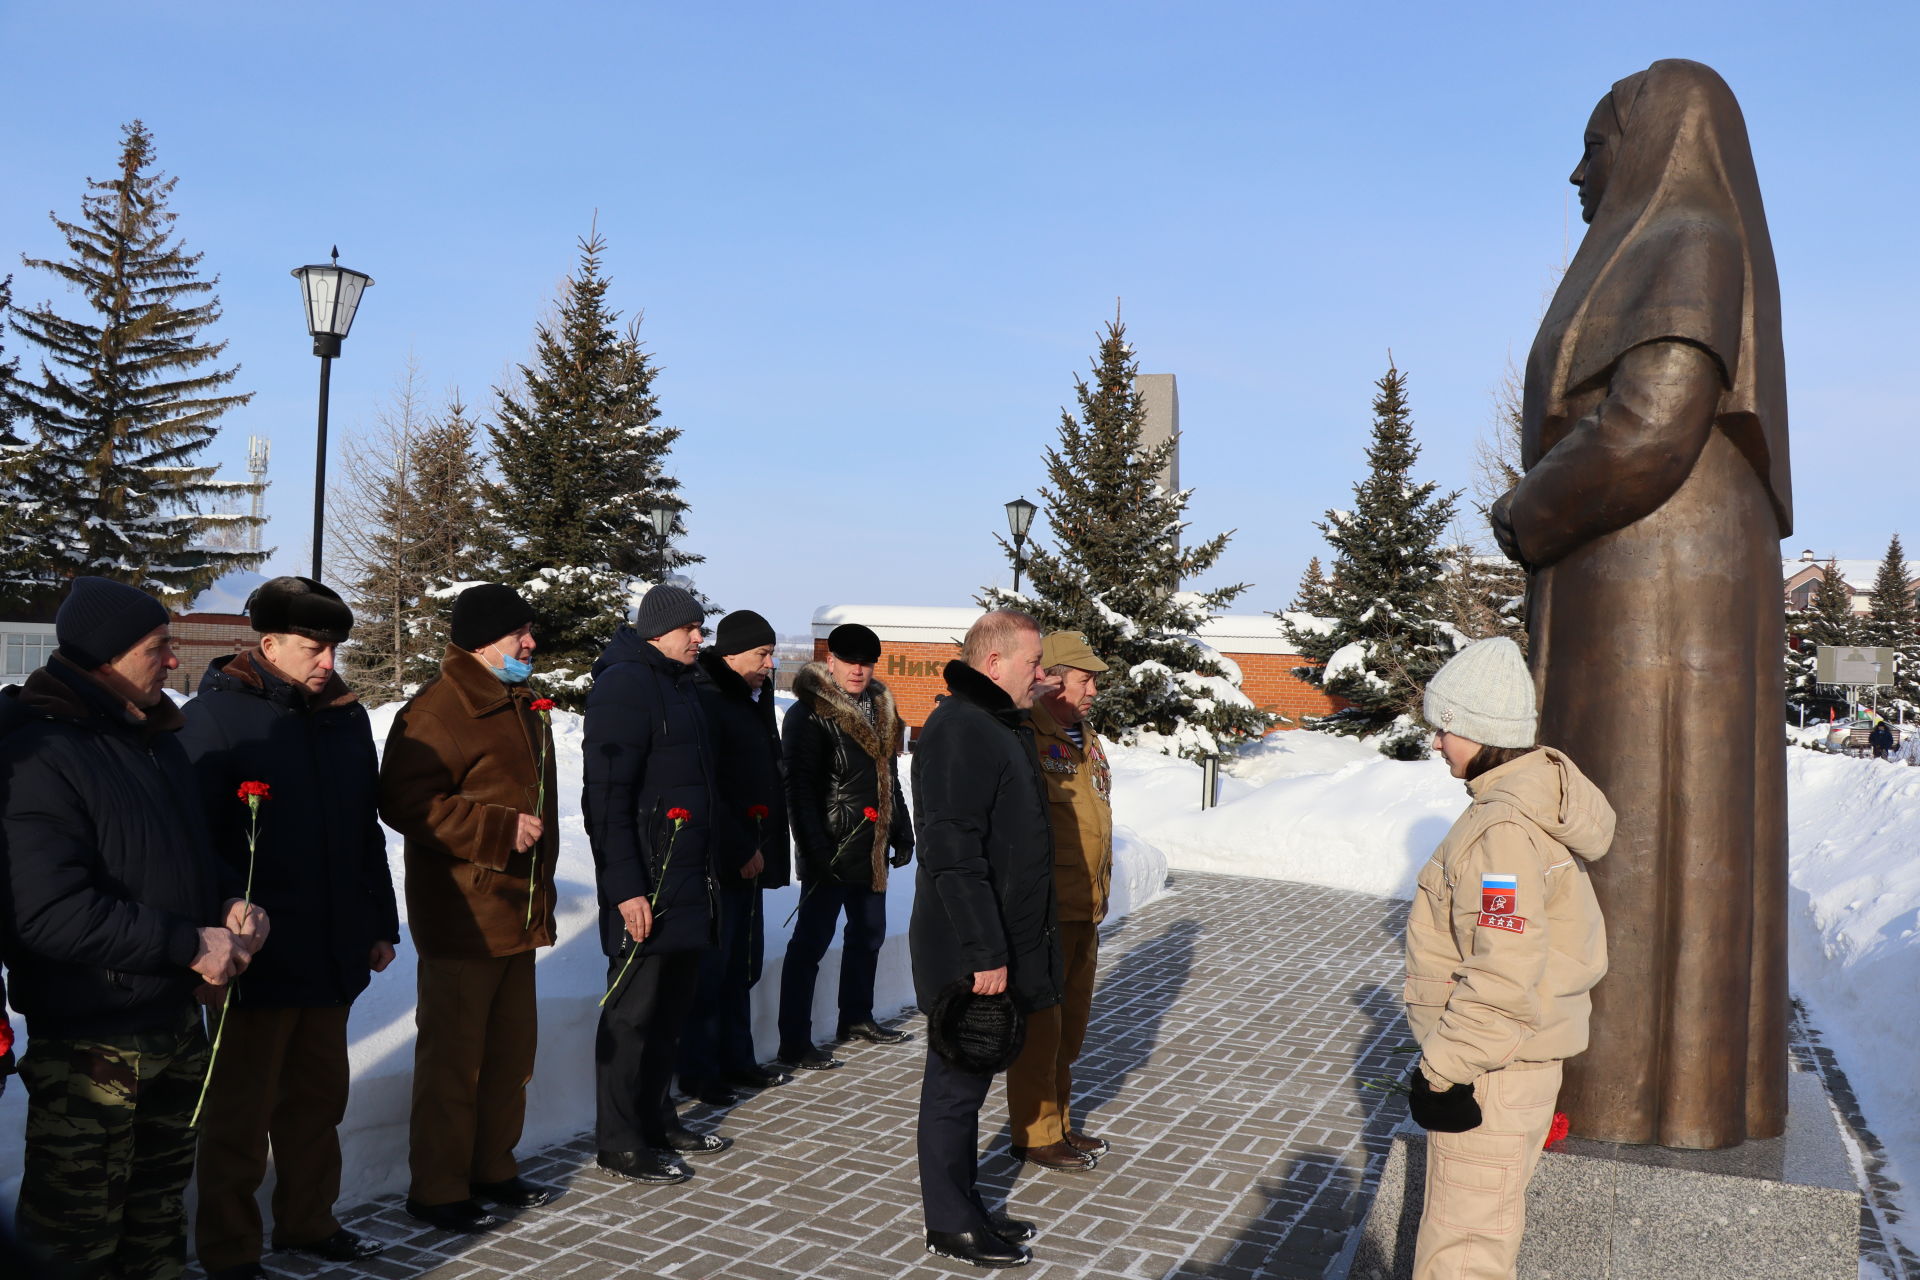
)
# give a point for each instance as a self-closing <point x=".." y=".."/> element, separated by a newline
<point x="540" y="812"/>
<point x="219" y="1033"/>
<point x="653" y="900"/>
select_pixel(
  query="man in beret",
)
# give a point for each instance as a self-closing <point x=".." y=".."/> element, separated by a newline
<point x="750" y="853"/>
<point x="116" y="913"/>
<point x="650" y="801"/>
<point x="279" y="713"/>
<point x="1079" y="784"/>
<point x="850" y="825"/>
<point x="460" y="780"/>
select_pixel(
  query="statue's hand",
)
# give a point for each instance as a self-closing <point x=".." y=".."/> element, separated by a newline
<point x="1501" y="515"/>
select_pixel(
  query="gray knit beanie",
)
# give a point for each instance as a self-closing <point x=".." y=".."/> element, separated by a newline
<point x="665" y="608"/>
<point x="1485" y="694"/>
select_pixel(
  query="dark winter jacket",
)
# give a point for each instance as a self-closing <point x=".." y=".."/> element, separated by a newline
<point x="109" y="871"/>
<point x="647" y="752"/>
<point x="839" y="765"/>
<point x="320" y="868"/>
<point x="746" y="752"/>
<point x="1881" y="737"/>
<point x="985" y="896"/>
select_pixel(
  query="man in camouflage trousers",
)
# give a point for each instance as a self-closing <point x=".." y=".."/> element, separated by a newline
<point x="115" y="913"/>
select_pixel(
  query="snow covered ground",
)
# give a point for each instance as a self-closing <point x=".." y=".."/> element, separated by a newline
<point x="572" y="977"/>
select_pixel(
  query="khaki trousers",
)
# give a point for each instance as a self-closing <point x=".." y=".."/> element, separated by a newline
<point x="477" y="1025"/>
<point x="281" y="1077"/>
<point x="1476" y="1206"/>
<point x="1040" y="1082"/>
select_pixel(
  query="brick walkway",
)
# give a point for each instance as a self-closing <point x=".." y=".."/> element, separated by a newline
<point x="1234" y="1024"/>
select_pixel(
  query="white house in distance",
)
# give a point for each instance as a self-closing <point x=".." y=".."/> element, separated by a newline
<point x="1804" y="574"/>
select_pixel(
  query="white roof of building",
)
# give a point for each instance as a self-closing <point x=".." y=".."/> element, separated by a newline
<point x="928" y="624"/>
<point x="1858" y="574"/>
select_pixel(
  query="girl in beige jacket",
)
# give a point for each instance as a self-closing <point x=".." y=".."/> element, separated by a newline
<point x="1504" y="943"/>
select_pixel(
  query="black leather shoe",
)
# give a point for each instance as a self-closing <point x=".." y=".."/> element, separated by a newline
<point x="462" y="1217"/>
<point x="643" y="1166"/>
<point x="1012" y="1230"/>
<point x="341" y="1246"/>
<point x="760" y="1078"/>
<point x="812" y="1058"/>
<point x="715" y="1094"/>
<point x="981" y="1248"/>
<point x="515" y="1193"/>
<point x="244" y="1271"/>
<point x="872" y="1032"/>
<point x="688" y="1140"/>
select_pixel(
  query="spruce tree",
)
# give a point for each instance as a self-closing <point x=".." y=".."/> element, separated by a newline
<point x="129" y="395"/>
<point x="1312" y="596"/>
<point x="1115" y="572"/>
<point x="22" y="558"/>
<point x="581" y="459"/>
<point x="1891" y="621"/>
<point x="1387" y="638"/>
<point x="1827" y="621"/>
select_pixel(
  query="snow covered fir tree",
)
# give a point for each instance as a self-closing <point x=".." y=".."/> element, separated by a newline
<point x="1827" y="621"/>
<point x="1115" y="568"/>
<point x="127" y="396"/>
<point x="581" y="459"/>
<point x="1387" y="635"/>
<point x="1892" y="621"/>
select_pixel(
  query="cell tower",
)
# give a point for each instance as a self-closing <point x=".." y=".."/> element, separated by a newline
<point x="258" y="448"/>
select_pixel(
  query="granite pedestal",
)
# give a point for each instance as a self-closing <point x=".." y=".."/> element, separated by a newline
<point x="1784" y="1208"/>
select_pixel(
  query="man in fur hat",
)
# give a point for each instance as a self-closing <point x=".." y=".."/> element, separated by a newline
<point x="843" y="800"/>
<point x="280" y="714"/>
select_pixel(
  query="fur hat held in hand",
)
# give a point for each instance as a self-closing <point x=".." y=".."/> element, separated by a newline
<point x="980" y="1035"/>
<point x="1485" y="694"/>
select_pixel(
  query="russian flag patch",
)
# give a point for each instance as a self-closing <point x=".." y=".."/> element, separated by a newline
<point x="1497" y="893"/>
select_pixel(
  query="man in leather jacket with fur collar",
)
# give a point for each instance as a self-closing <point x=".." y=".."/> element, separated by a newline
<point x="847" y="813"/>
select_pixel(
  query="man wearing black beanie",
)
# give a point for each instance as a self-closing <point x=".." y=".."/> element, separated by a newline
<point x="461" y="780"/>
<point x="115" y="912"/>
<point x="750" y="853"/>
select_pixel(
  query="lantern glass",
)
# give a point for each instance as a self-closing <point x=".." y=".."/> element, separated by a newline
<point x="662" y="521"/>
<point x="332" y="296"/>
<point x="1020" y="517"/>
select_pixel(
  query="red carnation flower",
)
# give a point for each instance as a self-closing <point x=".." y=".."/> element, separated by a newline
<point x="248" y="790"/>
<point x="1556" y="1131"/>
<point x="757" y="811"/>
<point x="542" y="704"/>
<point x="871" y="814"/>
<point x="679" y="815"/>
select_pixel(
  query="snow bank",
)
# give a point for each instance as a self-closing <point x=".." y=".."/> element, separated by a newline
<point x="572" y="977"/>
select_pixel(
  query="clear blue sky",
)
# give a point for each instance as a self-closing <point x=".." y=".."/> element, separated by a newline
<point x="873" y="243"/>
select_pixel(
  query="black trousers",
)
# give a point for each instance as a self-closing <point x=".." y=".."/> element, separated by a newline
<point x="634" y="1049"/>
<point x="719" y="1036"/>
<point x="948" y="1144"/>
<point x="860" y="946"/>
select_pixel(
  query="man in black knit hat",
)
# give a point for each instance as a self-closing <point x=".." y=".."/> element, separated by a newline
<point x="279" y="713"/>
<point x="750" y="853"/>
<point x="116" y="911"/>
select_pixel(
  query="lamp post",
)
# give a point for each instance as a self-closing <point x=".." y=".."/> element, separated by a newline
<point x="1019" y="517"/>
<point x="332" y="295"/>
<point x="662" y="526"/>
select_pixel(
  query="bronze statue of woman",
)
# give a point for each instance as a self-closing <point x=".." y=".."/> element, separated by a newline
<point x="1656" y="491"/>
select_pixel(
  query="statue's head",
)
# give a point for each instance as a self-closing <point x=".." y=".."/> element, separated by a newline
<point x="1602" y="147"/>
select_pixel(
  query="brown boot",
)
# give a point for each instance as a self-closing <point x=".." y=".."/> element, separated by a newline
<point x="1055" y="1155"/>
<point x="1095" y="1147"/>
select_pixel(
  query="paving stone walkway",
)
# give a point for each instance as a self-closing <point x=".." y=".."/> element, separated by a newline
<point x="1236" y="1024"/>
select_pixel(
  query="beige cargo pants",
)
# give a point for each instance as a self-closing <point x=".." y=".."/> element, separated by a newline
<point x="1476" y="1206"/>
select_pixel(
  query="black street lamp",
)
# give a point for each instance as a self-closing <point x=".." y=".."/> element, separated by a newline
<point x="332" y="295"/>
<point x="1019" y="517"/>
<point x="662" y="518"/>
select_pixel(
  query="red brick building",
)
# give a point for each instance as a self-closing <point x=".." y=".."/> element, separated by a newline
<point x="917" y="643"/>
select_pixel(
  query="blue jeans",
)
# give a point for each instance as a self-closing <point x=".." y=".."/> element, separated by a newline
<point x="859" y="957"/>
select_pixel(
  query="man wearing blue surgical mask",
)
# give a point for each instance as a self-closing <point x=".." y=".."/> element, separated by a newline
<point x="462" y="782"/>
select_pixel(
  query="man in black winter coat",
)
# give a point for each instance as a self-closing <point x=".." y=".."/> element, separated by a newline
<point x="750" y="853"/>
<point x="280" y="714"/>
<point x="984" y="911"/>
<point x="116" y="911"/>
<point x="843" y="794"/>
<point x="649" y="799"/>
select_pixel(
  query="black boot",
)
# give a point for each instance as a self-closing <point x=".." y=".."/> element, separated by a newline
<point x="981" y="1248"/>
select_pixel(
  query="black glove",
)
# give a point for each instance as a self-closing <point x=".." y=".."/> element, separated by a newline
<point x="1454" y="1111"/>
<point x="900" y="858"/>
